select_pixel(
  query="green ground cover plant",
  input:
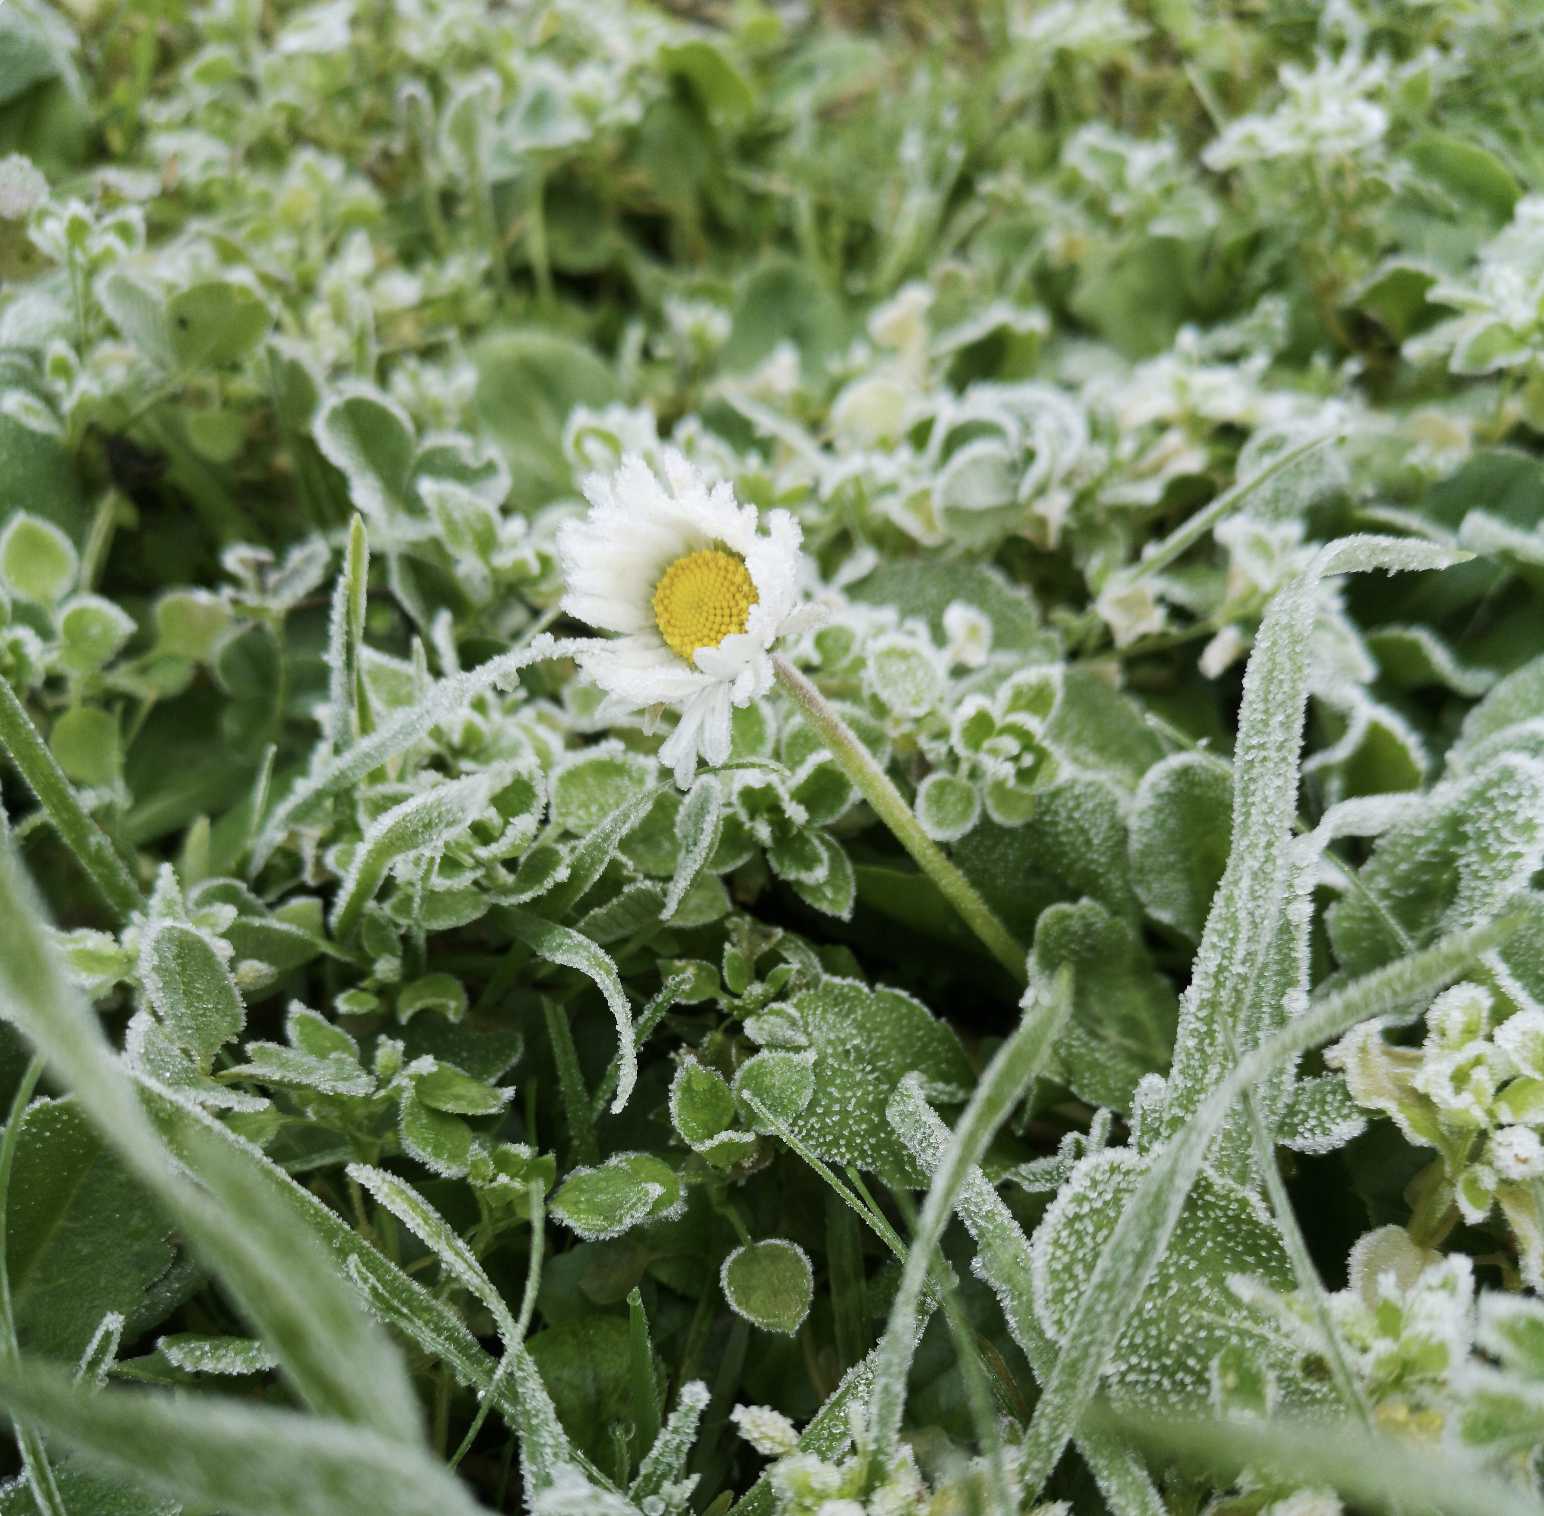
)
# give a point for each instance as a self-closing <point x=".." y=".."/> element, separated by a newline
<point x="771" y="759"/>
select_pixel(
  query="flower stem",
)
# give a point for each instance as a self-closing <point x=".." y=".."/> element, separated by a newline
<point x="76" y="826"/>
<point x="877" y="788"/>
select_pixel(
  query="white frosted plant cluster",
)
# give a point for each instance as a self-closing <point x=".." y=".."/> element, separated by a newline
<point x="674" y="627"/>
<point x="1474" y="1091"/>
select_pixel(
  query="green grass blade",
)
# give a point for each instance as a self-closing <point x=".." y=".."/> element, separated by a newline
<point x="77" y="828"/>
<point x="220" y="1454"/>
<point x="1142" y="1234"/>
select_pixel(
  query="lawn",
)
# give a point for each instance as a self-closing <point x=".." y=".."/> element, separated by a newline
<point x="771" y="757"/>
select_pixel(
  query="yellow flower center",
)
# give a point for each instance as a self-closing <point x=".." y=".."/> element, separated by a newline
<point x="701" y="599"/>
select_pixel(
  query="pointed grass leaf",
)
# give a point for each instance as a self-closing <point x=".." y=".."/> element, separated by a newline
<point x="241" y="1225"/>
<point x="421" y="824"/>
<point x="700" y="825"/>
<point x="1110" y="1295"/>
<point x="234" y="1456"/>
<point x="572" y="950"/>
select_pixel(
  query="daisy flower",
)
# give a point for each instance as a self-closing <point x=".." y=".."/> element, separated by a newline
<point x="698" y="591"/>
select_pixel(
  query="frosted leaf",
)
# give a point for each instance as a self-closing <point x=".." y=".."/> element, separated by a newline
<point x="37" y="561"/>
<point x="1516" y="1154"/>
<point x="1163" y="1357"/>
<point x="421" y="824"/>
<point x="1511" y="1329"/>
<point x="770" y="1283"/>
<point x="570" y="949"/>
<point x="701" y="1105"/>
<point x="572" y="1494"/>
<point x="460" y="1262"/>
<point x="967" y="635"/>
<point x="700" y="824"/>
<point x="1521" y="1038"/>
<point x="148" y="1050"/>
<point x="1122" y="1026"/>
<point x="626" y="1191"/>
<point x="99" y="1355"/>
<point x="1387" y="1252"/>
<point x="1131" y="611"/>
<point x="1180" y="830"/>
<point x="1319" y="1116"/>
<point x="776" y="1085"/>
<point x="591" y="784"/>
<point x="770" y="1432"/>
<point x="1252" y="955"/>
<point x="1414" y="657"/>
<point x="273" y="1063"/>
<point x="191" y="990"/>
<point x="447" y="1088"/>
<point x="1474" y="842"/>
<point x="664" y="1466"/>
<point x="196" y="1354"/>
<point x="904" y="674"/>
<point x="438" y="1140"/>
<point x="947" y="806"/>
<point x="861" y="1044"/>
<point x="368" y="437"/>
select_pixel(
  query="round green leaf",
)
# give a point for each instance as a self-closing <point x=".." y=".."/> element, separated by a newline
<point x="770" y="1284"/>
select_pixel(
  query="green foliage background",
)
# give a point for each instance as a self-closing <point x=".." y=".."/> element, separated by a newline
<point x="417" y="1102"/>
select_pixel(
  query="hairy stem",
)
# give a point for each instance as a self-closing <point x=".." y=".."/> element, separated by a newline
<point x="890" y="806"/>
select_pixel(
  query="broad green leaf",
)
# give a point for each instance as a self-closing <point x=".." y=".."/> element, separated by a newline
<point x="190" y="989"/>
<point x="861" y="1043"/>
<point x="588" y="787"/>
<point x="82" y="1236"/>
<point x="1122" y="1024"/>
<point x="216" y="322"/>
<point x="241" y="1225"/>
<point x="770" y="1283"/>
<point x="37" y="561"/>
<point x="584" y="1365"/>
<point x="625" y="1191"/>
<point x="85" y="740"/>
<point x="369" y="439"/>
<point x="1180" y="832"/>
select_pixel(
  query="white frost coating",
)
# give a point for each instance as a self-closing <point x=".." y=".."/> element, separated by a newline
<point x="770" y="1432"/>
<point x="1002" y="1263"/>
<point x="420" y="825"/>
<point x="699" y="825"/>
<point x="571" y="1494"/>
<point x="570" y="949"/>
<point x="803" y="1267"/>
<point x="443" y="702"/>
<point x="101" y="1351"/>
<point x="1239" y="978"/>
<point x="664" y="1466"/>
<point x="426" y="1223"/>
<point x="217" y="1355"/>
